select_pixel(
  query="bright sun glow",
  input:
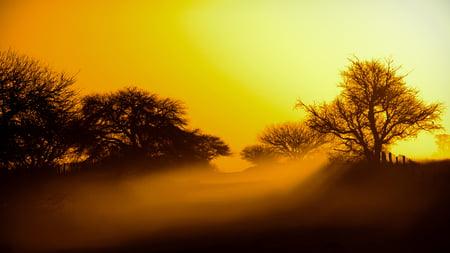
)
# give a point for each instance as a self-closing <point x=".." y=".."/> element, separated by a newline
<point x="283" y="50"/>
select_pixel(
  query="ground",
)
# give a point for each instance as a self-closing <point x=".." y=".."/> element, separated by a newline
<point x="318" y="207"/>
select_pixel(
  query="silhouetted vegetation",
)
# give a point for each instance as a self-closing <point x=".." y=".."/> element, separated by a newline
<point x="43" y="126"/>
<point x="374" y="109"/>
<point x="133" y="124"/>
<point x="37" y="112"/>
<point x="290" y="140"/>
<point x="258" y="154"/>
<point x="443" y="144"/>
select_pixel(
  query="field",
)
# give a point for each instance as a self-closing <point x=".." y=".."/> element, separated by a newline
<point x="314" y="206"/>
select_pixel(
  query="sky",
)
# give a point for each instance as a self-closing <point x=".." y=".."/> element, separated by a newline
<point x="238" y="65"/>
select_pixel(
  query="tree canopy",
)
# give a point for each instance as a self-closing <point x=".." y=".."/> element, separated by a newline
<point x="44" y="124"/>
<point x="374" y="109"/>
<point x="443" y="146"/>
<point x="258" y="154"/>
<point x="135" y="124"/>
<point x="291" y="140"/>
<point x="37" y="108"/>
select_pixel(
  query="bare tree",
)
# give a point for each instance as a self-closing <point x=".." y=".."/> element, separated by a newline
<point x="258" y="154"/>
<point x="292" y="140"/>
<point x="374" y="109"/>
<point x="37" y="107"/>
<point x="443" y="145"/>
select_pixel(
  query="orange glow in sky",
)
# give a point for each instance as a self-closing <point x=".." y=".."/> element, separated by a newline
<point x="238" y="65"/>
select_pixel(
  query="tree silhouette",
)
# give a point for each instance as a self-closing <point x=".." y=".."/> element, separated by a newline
<point x="443" y="145"/>
<point x="206" y="147"/>
<point x="292" y="140"/>
<point x="129" y="121"/>
<point x="374" y="109"/>
<point x="37" y="108"/>
<point x="258" y="154"/>
<point x="135" y="124"/>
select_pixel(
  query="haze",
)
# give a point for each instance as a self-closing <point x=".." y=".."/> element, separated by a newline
<point x="95" y="212"/>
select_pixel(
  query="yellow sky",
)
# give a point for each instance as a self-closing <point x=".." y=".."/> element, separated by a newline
<point x="238" y="65"/>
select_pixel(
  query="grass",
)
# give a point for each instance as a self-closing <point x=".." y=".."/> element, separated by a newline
<point x="297" y="208"/>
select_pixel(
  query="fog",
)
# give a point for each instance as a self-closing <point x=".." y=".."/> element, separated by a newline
<point x="95" y="211"/>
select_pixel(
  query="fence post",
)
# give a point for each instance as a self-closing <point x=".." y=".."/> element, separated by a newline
<point x="383" y="157"/>
<point x="390" y="157"/>
<point x="396" y="160"/>
<point x="404" y="160"/>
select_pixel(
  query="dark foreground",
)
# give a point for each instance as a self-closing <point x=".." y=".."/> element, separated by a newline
<point x="339" y="208"/>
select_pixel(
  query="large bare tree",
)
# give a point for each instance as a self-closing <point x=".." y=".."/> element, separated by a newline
<point x="374" y="109"/>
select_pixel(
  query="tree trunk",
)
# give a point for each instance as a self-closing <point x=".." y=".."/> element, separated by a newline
<point x="377" y="154"/>
<point x="368" y="154"/>
<point x="373" y="156"/>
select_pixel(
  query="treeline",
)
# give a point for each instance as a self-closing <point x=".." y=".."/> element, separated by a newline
<point x="45" y="124"/>
<point x="374" y="110"/>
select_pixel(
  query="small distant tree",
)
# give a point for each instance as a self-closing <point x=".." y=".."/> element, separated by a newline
<point x="258" y="154"/>
<point x="291" y="140"/>
<point x="374" y="109"/>
<point x="443" y="144"/>
<point x="135" y="124"/>
<point x="37" y="109"/>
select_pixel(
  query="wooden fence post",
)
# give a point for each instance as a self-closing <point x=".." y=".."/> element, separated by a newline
<point x="383" y="157"/>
